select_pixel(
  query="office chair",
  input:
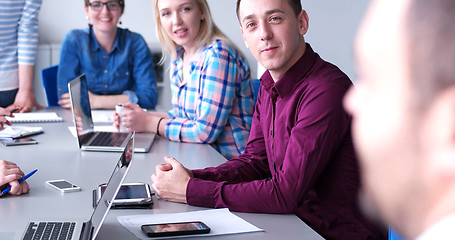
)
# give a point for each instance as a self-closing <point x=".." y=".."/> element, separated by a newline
<point x="255" y="84"/>
<point x="49" y="78"/>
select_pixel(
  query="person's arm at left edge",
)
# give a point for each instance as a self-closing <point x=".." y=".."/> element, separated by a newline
<point x="143" y="74"/>
<point x="9" y="174"/>
<point x="27" y="45"/>
<point x="3" y="120"/>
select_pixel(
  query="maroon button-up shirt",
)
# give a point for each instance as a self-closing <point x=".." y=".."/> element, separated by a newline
<point x="299" y="157"/>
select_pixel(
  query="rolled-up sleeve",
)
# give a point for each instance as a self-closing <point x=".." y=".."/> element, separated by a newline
<point x="28" y="32"/>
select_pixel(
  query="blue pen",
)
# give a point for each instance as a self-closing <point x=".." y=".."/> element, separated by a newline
<point x="20" y="180"/>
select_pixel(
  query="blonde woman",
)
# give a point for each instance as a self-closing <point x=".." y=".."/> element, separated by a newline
<point x="212" y="101"/>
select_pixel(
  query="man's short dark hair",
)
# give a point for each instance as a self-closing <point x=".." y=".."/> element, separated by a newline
<point x="430" y="36"/>
<point x="295" y="5"/>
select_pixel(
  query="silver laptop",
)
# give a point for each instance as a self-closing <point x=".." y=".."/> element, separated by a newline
<point x="91" y="140"/>
<point x="88" y="230"/>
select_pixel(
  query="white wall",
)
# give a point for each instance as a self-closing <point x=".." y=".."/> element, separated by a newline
<point x="333" y="24"/>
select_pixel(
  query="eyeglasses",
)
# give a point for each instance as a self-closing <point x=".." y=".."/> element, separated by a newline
<point x="111" y="5"/>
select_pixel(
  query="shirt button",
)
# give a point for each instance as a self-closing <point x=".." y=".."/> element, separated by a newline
<point x="105" y="86"/>
<point x="105" y="71"/>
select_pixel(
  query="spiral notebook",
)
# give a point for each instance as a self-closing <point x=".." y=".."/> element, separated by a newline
<point x="35" y="117"/>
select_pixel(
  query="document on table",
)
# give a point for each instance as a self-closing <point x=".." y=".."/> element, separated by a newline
<point x="221" y="222"/>
<point x="19" y="131"/>
<point x="102" y="116"/>
<point x="35" y="117"/>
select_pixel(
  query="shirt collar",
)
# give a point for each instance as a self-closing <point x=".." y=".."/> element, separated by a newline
<point x="295" y="74"/>
<point x="193" y="61"/>
<point x="180" y="50"/>
<point x="96" y="46"/>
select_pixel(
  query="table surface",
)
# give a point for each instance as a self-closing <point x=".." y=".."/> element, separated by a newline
<point x="57" y="156"/>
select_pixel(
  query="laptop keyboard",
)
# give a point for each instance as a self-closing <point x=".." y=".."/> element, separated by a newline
<point x="109" y="139"/>
<point x="49" y="230"/>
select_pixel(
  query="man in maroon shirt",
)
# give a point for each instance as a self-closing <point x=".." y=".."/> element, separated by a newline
<point x="299" y="157"/>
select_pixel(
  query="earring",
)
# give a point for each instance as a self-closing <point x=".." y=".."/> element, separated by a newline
<point x="88" y="20"/>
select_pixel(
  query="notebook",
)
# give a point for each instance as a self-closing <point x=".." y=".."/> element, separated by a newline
<point x="89" y="229"/>
<point x="35" y="117"/>
<point x="91" y="140"/>
<point x="19" y="131"/>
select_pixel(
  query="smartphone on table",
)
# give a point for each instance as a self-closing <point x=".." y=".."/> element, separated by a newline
<point x="63" y="186"/>
<point x="175" y="229"/>
<point x="18" y="141"/>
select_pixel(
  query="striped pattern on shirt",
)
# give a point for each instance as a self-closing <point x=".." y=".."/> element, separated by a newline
<point x="18" y="33"/>
<point x="213" y="103"/>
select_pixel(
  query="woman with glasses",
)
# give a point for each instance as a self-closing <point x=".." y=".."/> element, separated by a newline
<point x="117" y="62"/>
<point x="212" y="100"/>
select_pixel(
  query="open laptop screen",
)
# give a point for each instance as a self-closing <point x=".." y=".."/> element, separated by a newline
<point x="80" y="106"/>
<point x="113" y="185"/>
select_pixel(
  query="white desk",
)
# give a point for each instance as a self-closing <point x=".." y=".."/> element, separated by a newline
<point x="58" y="157"/>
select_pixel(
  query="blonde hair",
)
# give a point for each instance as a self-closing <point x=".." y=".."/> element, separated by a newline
<point x="208" y="31"/>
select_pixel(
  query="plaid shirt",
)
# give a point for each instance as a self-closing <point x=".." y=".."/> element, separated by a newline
<point x="213" y="103"/>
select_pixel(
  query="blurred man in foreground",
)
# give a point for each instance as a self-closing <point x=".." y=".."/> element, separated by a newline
<point x="404" y="116"/>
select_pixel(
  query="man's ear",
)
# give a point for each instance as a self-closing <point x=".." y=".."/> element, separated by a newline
<point x="303" y="22"/>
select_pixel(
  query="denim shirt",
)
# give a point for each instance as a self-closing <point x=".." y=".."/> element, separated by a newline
<point x="126" y="69"/>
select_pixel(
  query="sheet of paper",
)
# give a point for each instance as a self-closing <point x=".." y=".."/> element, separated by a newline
<point x="221" y="222"/>
<point x="102" y="116"/>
